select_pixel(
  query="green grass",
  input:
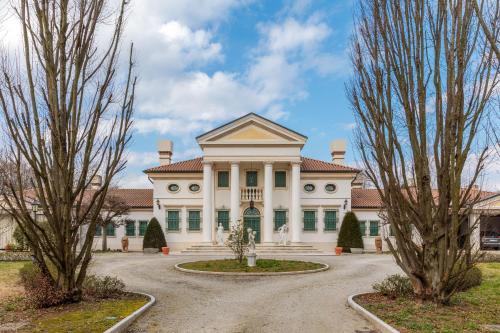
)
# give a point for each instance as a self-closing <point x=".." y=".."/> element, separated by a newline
<point x="468" y="311"/>
<point x="85" y="316"/>
<point x="263" y="265"/>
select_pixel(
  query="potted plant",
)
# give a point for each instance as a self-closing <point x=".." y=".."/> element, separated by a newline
<point x="165" y="250"/>
<point x="154" y="239"/>
<point x="350" y="239"/>
<point x="338" y="250"/>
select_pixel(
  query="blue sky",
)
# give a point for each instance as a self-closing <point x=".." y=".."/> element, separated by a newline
<point x="203" y="63"/>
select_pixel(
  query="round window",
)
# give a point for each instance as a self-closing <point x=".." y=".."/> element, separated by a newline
<point x="173" y="187"/>
<point x="330" y="188"/>
<point x="194" y="188"/>
<point x="309" y="187"/>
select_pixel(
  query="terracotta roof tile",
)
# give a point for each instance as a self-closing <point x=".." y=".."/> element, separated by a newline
<point x="134" y="197"/>
<point x="365" y="198"/>
<point x="195" y="165"/>
<point x="312" y="165"/>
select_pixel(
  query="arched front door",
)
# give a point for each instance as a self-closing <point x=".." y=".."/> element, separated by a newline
<point x="251" y="219"/>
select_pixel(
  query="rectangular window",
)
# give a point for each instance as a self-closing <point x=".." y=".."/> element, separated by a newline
<point x="98" y="230"/>
<point x="279" y="218"/>
<point x="130" y="228"/>
<point x="223" y="217"/>
<point x="251" y="178"/>
<point x="362" y="228"/>
<point x="110" y="230"/>
<point x="194" y="219"/>
<point x="373" y="228"/>
<point x="173" y="219"/>
<point x="280" y="179"/>
<point x="309" y="220"/>
<point x="330" y="220"/>
<point x="223" y="179"/>
<point x="391" y="230"/>
<point x="143" y="225"/>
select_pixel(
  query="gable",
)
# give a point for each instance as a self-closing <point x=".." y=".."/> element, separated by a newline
<point x="251" y="129"/>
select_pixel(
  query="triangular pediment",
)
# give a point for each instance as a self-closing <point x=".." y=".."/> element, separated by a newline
<point x="251" y="129"/>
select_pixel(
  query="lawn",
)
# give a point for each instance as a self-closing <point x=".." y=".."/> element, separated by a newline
<point x="263" y="265"/>
<point x="87" y="316"/>
<point x="468" y="312"/>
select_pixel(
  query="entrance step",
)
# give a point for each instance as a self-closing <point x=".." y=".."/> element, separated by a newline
<point x="260" y="249"/>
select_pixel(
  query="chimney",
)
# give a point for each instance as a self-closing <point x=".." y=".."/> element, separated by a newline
<point x="96" y="182"/>
<point x="165" y="151"/>
<point x="337" y="149"/>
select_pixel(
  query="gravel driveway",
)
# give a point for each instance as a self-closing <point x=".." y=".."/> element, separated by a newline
<point x="297" y="303"/>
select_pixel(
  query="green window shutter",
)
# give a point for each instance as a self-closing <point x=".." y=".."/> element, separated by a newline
<point x="194" y="220"/>
<point x="310" y="220"/>
<point x="362" y="228"/>
<point x="98" y="230"/>
<point x="173" y="217"/>
<point x="223" y="179"/>
<point x="391" y="230"/>
<point x="373" y="228"/>
<point x="280" y="179"/>
<point x="110" y="230"/>
<point x="130" y="228"/>
<point x="143" y="225"/>
<point x="330" y="220"/>
<point x="223" y="217"/>
<point x="279" y="218"/>
<point x="251" y="178"/>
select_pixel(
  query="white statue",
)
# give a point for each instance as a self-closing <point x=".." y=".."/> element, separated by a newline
<point x="220" y="234"/>
<point x="251" y="240"/>
<point x="283" y="231"/>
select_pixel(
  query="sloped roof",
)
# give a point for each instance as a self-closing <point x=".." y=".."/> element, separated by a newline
<point x="196" y="165"/>
<point x="134" y="197"/>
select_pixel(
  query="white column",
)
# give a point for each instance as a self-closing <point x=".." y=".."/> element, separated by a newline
<point x="268" y="203"/>
<point x="207" y="202"/>
<point x="235" y="192"/>
<point x="295" y="207"/>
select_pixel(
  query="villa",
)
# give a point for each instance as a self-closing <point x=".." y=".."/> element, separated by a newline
<point x="252" y="169"/>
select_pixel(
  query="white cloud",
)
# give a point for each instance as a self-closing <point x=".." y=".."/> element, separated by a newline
<point x="141" y="158"/>
<point x="136" y="180"/>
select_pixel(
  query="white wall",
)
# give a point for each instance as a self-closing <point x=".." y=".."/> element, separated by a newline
<point x="7" y="227"/>
<point x="369" y="241"/>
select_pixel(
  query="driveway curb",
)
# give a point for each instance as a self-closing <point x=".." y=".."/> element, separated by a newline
<point x="123" y="324"/>
<point x="379" y="323"/>
<point x="192" y="271"/>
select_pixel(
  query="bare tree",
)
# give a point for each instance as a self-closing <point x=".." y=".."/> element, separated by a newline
<point x="67" y="113"/>
<point x="424" y="76"/>
<point x="236" y="240"/>
<point x="488" y="15"/>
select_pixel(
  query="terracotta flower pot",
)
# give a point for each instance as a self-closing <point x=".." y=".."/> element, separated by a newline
<point x="165" y="250"/>
<point x="338" y="250"/>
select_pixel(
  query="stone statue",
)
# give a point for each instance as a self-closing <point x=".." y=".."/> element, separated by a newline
<point x="251" y="240"/>
<point x="220" y="234"/>
<point x="283" y="231"/>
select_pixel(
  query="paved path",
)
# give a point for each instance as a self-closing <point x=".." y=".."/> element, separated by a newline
<point x="298" y="303"/>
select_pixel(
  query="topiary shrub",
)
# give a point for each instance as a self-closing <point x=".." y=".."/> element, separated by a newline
<point x="20" y="238"/>
<point x="394" y="286"/>
<point x="154" y="237"/>
<point x="350" y="235"/>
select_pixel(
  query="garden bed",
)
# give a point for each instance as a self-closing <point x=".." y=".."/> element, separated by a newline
<point x="263" y="266"/>
<point x="15" y="256"/>
<point x="86" y="316"/>
<point x="469" y="311"/>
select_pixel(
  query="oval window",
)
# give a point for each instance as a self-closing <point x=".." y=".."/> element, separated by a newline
<point x="309" y="187"/>
<point x="194" y="188"/>
<point x="330" y="188"/>
<point x="173" y="187"/>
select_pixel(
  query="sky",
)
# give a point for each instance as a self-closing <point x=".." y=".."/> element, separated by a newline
<point x="202" y="63"/>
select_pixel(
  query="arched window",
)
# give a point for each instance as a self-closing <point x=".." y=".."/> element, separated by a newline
<point x="251" y="212"/>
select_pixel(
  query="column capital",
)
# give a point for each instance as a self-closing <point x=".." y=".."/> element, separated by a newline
<point x="268" y="163"/>
<point x="207" y="162"/>
<point x="235" y="163"/>
<point x="295" y="163"/>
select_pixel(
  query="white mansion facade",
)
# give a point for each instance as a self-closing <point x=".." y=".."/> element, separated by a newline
<point x="252" y="169"/>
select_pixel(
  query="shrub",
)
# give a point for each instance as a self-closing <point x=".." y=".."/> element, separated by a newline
<point x="350" y="235"/>
<point x="473" y="277"/>
<point x="40" y="293"/>
<point x="236" y="241"/>
<point x="154" y="237"/>
<point x="20" y="238"/>
<point x="103" y="287"/>
<point x="394" y="286"/>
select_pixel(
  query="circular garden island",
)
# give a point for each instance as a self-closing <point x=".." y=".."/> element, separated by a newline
<point x="262" y="267"/>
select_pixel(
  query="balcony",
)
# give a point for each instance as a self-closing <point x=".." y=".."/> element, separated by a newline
<point x="251" y="193"/>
